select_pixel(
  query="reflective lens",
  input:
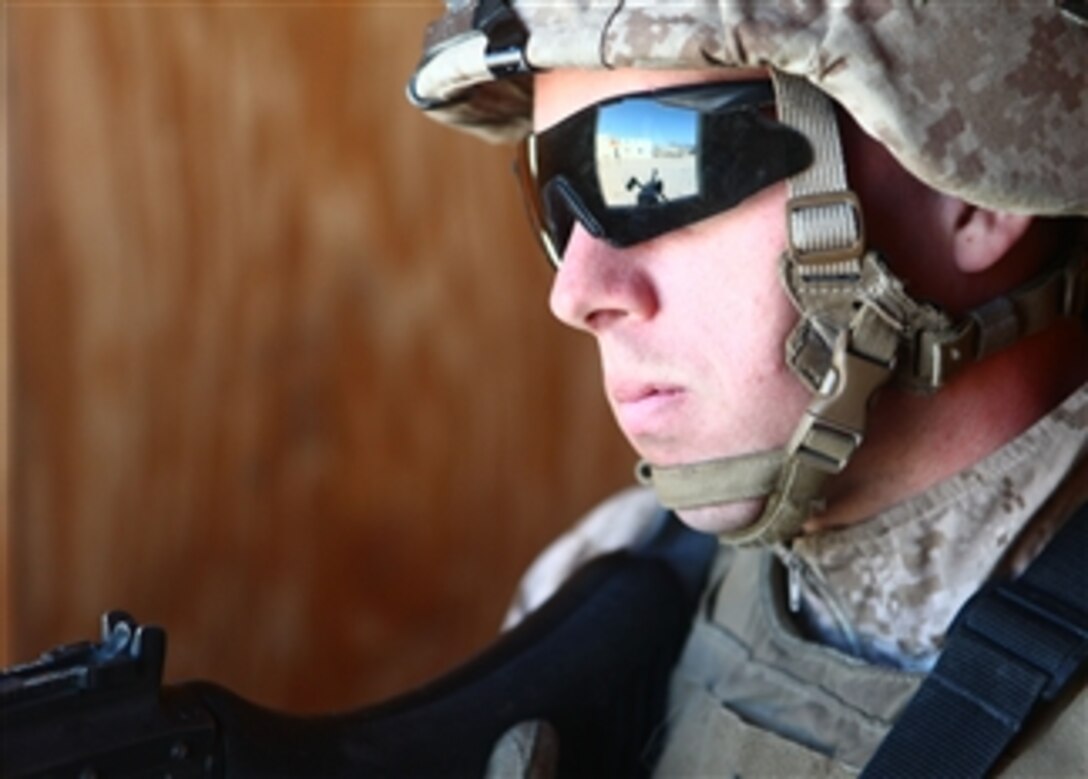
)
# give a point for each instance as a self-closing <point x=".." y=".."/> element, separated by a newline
<point x="638" y="166"/>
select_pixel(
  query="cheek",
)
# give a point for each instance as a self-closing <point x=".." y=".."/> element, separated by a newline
<point x="731" y="291"/>
<point x="740" y="249"/>
<point x="748" y="249"/>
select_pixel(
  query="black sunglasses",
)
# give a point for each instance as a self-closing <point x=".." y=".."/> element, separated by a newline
<point x="638" y="166"/>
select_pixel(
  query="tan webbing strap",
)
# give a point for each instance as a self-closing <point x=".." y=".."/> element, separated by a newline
<point x="722" y="480"/>
<point x="824" y="218"/>
<point x="941" y="354"/>
<point x="831" y="430"/>
<point x="826" y="439"/>
<point x="822" y="265"/>
<point x="848" y="346"/>
<point x="783" y="517"/>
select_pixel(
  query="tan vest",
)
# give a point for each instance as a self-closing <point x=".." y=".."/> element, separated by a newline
<point x="752" y="698"/>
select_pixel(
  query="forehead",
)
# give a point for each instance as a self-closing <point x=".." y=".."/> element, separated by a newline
<point x="559" y="93"/>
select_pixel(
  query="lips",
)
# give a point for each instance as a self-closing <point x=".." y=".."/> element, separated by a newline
<point x="644" y="409"/>
<point x="624" y="394"/>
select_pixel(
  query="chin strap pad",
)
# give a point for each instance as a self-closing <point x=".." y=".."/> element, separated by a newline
<point x="722" y="480"/>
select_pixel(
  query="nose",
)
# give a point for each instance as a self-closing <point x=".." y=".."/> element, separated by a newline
<point x="599" y="285"/>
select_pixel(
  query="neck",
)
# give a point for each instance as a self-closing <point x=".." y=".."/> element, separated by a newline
<point x="915" y="441"/>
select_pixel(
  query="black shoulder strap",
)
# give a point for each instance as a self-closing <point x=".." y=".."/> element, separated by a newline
<point x="1013" y="647"/>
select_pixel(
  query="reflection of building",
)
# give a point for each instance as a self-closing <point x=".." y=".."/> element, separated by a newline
<point x="627" y="148"/>
<point x="674" y="150"/>
<point x="642" y="148"/>
<point x="641" y="171"/>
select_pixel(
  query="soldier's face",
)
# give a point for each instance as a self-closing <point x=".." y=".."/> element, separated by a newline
<point x="690" y="325"/>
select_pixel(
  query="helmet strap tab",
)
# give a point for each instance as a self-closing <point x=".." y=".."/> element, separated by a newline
<point x="834" y="423"/>
<point x="942" y="352"/>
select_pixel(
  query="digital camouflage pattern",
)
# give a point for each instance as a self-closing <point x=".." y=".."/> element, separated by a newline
<point x="984" y="100"/>
<point x="900" y="578"/>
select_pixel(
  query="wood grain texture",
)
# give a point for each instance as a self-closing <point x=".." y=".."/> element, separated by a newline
<point x="283" y="378"/>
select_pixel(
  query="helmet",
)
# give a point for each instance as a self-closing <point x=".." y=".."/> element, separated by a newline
<point x="949" y="87"/>
<point x="989" y="104"/>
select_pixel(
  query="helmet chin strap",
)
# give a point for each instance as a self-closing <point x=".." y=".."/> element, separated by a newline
<point x="857" y="329"/>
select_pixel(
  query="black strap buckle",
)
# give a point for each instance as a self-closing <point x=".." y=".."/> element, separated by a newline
<point x="507" y="37"/>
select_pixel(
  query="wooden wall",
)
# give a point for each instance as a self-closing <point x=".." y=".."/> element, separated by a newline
<point x="282" y="377"/>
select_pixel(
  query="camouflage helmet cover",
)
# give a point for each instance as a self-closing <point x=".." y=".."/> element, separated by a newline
<point x="984" y="100"/>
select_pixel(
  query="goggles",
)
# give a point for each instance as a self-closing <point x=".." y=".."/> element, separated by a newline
<point x="638" y="166"/>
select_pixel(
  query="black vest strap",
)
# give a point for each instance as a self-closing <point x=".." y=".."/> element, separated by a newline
<point x="1013" y="647"/>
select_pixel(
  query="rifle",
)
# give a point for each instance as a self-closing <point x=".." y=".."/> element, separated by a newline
<point x="593" y="661"/>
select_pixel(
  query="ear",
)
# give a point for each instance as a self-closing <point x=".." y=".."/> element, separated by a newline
<point x="982" y="237"/>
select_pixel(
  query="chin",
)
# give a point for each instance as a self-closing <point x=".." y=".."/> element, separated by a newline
<point x="723" y="517"/>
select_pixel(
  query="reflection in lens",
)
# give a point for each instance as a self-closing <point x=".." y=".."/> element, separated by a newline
<point x="646" y="153"/>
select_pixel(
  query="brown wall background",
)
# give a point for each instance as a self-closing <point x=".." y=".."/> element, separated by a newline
<point x="282" y="377"/>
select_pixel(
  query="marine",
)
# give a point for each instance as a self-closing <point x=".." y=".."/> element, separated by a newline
<point x="846" y="336"/>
